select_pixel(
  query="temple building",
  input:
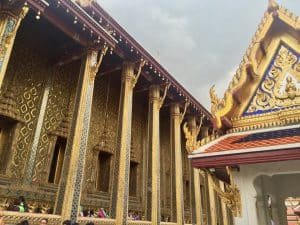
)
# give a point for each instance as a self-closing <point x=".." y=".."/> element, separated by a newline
<point x="92" y="127"/>
<point x="255" y="151"/>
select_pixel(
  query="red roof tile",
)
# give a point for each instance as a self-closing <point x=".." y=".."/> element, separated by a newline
<point x="256" y="139"/>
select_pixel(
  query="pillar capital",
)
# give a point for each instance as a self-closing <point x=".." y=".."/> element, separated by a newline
<point x="128" y="72"/>
<point x="175" y="109"/>
<point x="204" y="131"/>
<point x="154" y="93"/>
<point x="191" y="120"/>
<point x="96" y="64"/>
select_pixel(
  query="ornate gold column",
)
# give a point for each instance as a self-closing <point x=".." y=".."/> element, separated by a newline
<point x="212" y="201"/>
<point x="193" y="208"/>
<point x="120" y="190"/>
<point x="69" y="193"/>
<point x="9" y="24"/>
<point x="176" y="120"/>
<point x="173" y="185"/>
<point x="197" y="195"/>
<point x="223" y="206"/>
<point x="191" y="131"/>
<point x="155" y="103"/>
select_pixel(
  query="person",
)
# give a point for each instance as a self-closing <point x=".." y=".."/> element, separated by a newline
<point x="81" y="211"/>
<point x="43" y="221"/>
<point x="24" y="222"/>
<point x="2" y="222"/>
<point x="130" y="216"/>
<point x="91" y="213"/>
<point x="22" y="206"/>
<point x="67" y="222"/>
<point x="100" y="213"/>
<point x="137" y="216"/>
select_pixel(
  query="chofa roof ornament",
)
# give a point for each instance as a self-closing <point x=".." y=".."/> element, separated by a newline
<point x="220" y="107"/>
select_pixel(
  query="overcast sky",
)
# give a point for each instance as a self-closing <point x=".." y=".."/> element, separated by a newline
<point x="200" y="42"/>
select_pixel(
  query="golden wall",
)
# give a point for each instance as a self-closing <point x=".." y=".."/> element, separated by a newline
<point x="29" y="74"/>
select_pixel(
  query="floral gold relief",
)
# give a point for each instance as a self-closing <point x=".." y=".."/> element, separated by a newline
<point x="281" y="86"/>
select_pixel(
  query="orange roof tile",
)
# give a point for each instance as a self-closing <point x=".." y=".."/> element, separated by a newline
<point x="259" y="140"/>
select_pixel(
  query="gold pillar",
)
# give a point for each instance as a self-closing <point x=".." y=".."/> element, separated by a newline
<point x="212" y="201"/>
<point x="173" y="185"/>
<point x="9" y="24"/>
<point x="120" y="190"/>
<point x="193" y="208"/>
<point x="155" y="103"/>
<point x="193" y="129"/>
<point x="69" y="193"/>
<point x="176" y="120"/>
<point x="223" y="206"/>
<point x="197" y="196"/>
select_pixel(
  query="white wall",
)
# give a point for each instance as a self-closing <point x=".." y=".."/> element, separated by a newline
<point x="280" y="180"/>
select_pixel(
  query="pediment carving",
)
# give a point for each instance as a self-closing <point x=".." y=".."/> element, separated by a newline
<point x="280" y="86"/>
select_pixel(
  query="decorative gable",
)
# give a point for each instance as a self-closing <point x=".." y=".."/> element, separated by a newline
<point x="265" y="90"/>
<point x="280" y="87"/>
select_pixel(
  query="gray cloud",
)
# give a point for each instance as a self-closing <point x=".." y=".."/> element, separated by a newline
<point x="200" y="42"/>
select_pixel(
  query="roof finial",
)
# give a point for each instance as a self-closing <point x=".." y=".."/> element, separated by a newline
<point x="272" y="6"/>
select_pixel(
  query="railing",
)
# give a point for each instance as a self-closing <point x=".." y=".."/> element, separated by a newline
<point x="12" y="218"/>
<point x="96" y="221"/>
<point x="33" y="218"/>
<point x="167" y="223"/>
<point x="138" y="222"/>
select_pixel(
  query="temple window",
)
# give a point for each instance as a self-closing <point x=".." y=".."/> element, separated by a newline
<point x="57" y="160"/>
<point x="6" y="138"/>
<point x="104" y="163"/>
<point x="133" y="179"/>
